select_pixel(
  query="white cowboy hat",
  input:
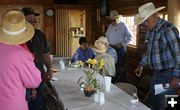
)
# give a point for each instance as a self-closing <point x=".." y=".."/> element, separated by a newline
<point x="14" y="29"/>
<point x="113" y="15"/>
<point x="99" y="47"/>
<point x="145" y="11"/>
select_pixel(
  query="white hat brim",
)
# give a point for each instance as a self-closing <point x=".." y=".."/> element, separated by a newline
<point x="138" y="20"/>
<point x="18" y="38"/>
<point x="100" y="51"/>
<point x="114" y="17"/>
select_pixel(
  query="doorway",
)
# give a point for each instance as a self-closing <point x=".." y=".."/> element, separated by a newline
<point x="70" y="26"/>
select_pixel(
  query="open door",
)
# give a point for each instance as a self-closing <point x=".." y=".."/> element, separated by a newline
<point x="70" y="26"/>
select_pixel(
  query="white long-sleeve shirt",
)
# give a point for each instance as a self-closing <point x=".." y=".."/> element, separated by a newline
<point x="118" y="34"/>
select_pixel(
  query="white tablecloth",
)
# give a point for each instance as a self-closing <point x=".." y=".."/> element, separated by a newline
<point x="74" y="99"/>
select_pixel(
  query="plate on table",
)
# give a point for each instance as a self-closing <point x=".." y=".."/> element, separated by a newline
<point x="75" y="65"/>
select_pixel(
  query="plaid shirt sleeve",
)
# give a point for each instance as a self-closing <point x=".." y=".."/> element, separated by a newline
<point x="173" y="42"/>
<point x="144" y="61"/>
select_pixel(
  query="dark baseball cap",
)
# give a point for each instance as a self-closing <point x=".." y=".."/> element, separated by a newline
<point x="28" y="11"/>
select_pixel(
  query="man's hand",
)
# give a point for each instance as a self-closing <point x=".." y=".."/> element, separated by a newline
<point x="174" y="82"/>
<point x="46" y="77"/>
<point x="34" y="94"/>
<point x="50" y="73"/>
<point x="118" y="45"/>
<point x="138" y="71"/>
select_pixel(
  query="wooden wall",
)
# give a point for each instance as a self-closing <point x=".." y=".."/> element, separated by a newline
<point x="26" y="2"/>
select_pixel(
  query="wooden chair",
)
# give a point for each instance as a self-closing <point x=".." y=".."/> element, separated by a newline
<point x="144" y="87"/>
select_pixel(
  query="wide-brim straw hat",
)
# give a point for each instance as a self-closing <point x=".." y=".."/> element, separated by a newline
<point x="103" y="39"/>
<point x="145" y="11"/>
<point x="113" y="15"/>
<point x="99" y="47"/>
<point x="14" y="29"/>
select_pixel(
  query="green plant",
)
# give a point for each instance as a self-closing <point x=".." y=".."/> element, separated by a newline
<point x="90" y="82"/>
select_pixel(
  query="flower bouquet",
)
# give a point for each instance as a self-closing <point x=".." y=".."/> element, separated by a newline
<point x="91" y="84"/>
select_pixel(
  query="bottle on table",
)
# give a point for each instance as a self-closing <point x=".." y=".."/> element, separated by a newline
<point x="135" y="102"/>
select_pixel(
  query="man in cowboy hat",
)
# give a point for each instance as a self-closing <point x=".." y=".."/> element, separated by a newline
<point x="162" y="52"/>
<point x="41" y="50"/>
<point x="118" y="36"/>
<point x="17" y="68"/>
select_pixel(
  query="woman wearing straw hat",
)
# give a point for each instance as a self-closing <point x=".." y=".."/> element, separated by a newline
<point x="101" y="53"/>
<point x="110" y="50"/>
<point x="17" y="68"/>
<point x="118" y="36"/>
<point x="162" y="53"/>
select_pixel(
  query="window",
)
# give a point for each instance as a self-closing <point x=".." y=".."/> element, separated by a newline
<point x="164" y="16"/>
<point x="129" y="21"/>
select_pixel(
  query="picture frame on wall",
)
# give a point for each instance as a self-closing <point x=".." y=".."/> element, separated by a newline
<point x="98" y="17"/>
<point x="103" y="8"/>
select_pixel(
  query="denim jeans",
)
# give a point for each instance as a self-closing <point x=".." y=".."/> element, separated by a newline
<point x="160" y="77"/>
<point x="39" y="102"/>
<point x="120" y="66"/>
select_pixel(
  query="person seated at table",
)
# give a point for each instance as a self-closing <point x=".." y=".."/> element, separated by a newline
<point x="83" y="52"/>
<point x="101" y="53"/>
<point x="110" y="50"/>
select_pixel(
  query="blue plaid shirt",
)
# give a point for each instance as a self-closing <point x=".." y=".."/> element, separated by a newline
<point x="163" y="48"/>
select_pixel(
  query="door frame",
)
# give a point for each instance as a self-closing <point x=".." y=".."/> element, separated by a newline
<point x="88" y="9"/>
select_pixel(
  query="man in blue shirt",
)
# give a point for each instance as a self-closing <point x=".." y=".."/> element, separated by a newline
<point x="118" y="36"/>
<point x="162" y="53"/>
<point x="83" y="52"/>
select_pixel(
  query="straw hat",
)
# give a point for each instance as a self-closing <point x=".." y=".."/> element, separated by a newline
<point x="145" y="11"/>
<point x="99" y="47"/>
<point x="113" y="15"/>
<point x="14" y="29"/>
<point x="103" y="39"/>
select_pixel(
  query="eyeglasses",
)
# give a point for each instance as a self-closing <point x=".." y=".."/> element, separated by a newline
<point x="31" y="20"/>
<point x="113" y="20"/>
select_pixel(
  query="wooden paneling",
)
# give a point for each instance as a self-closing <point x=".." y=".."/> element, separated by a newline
<point x="26" y="2"/>
<point x="62" y="32"/>
<point x="49" y="28"/>
<point x="88" y="9"/>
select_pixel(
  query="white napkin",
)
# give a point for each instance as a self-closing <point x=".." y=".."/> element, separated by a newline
<point x="159" y="89"/>
<point x="54" y="78"/>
